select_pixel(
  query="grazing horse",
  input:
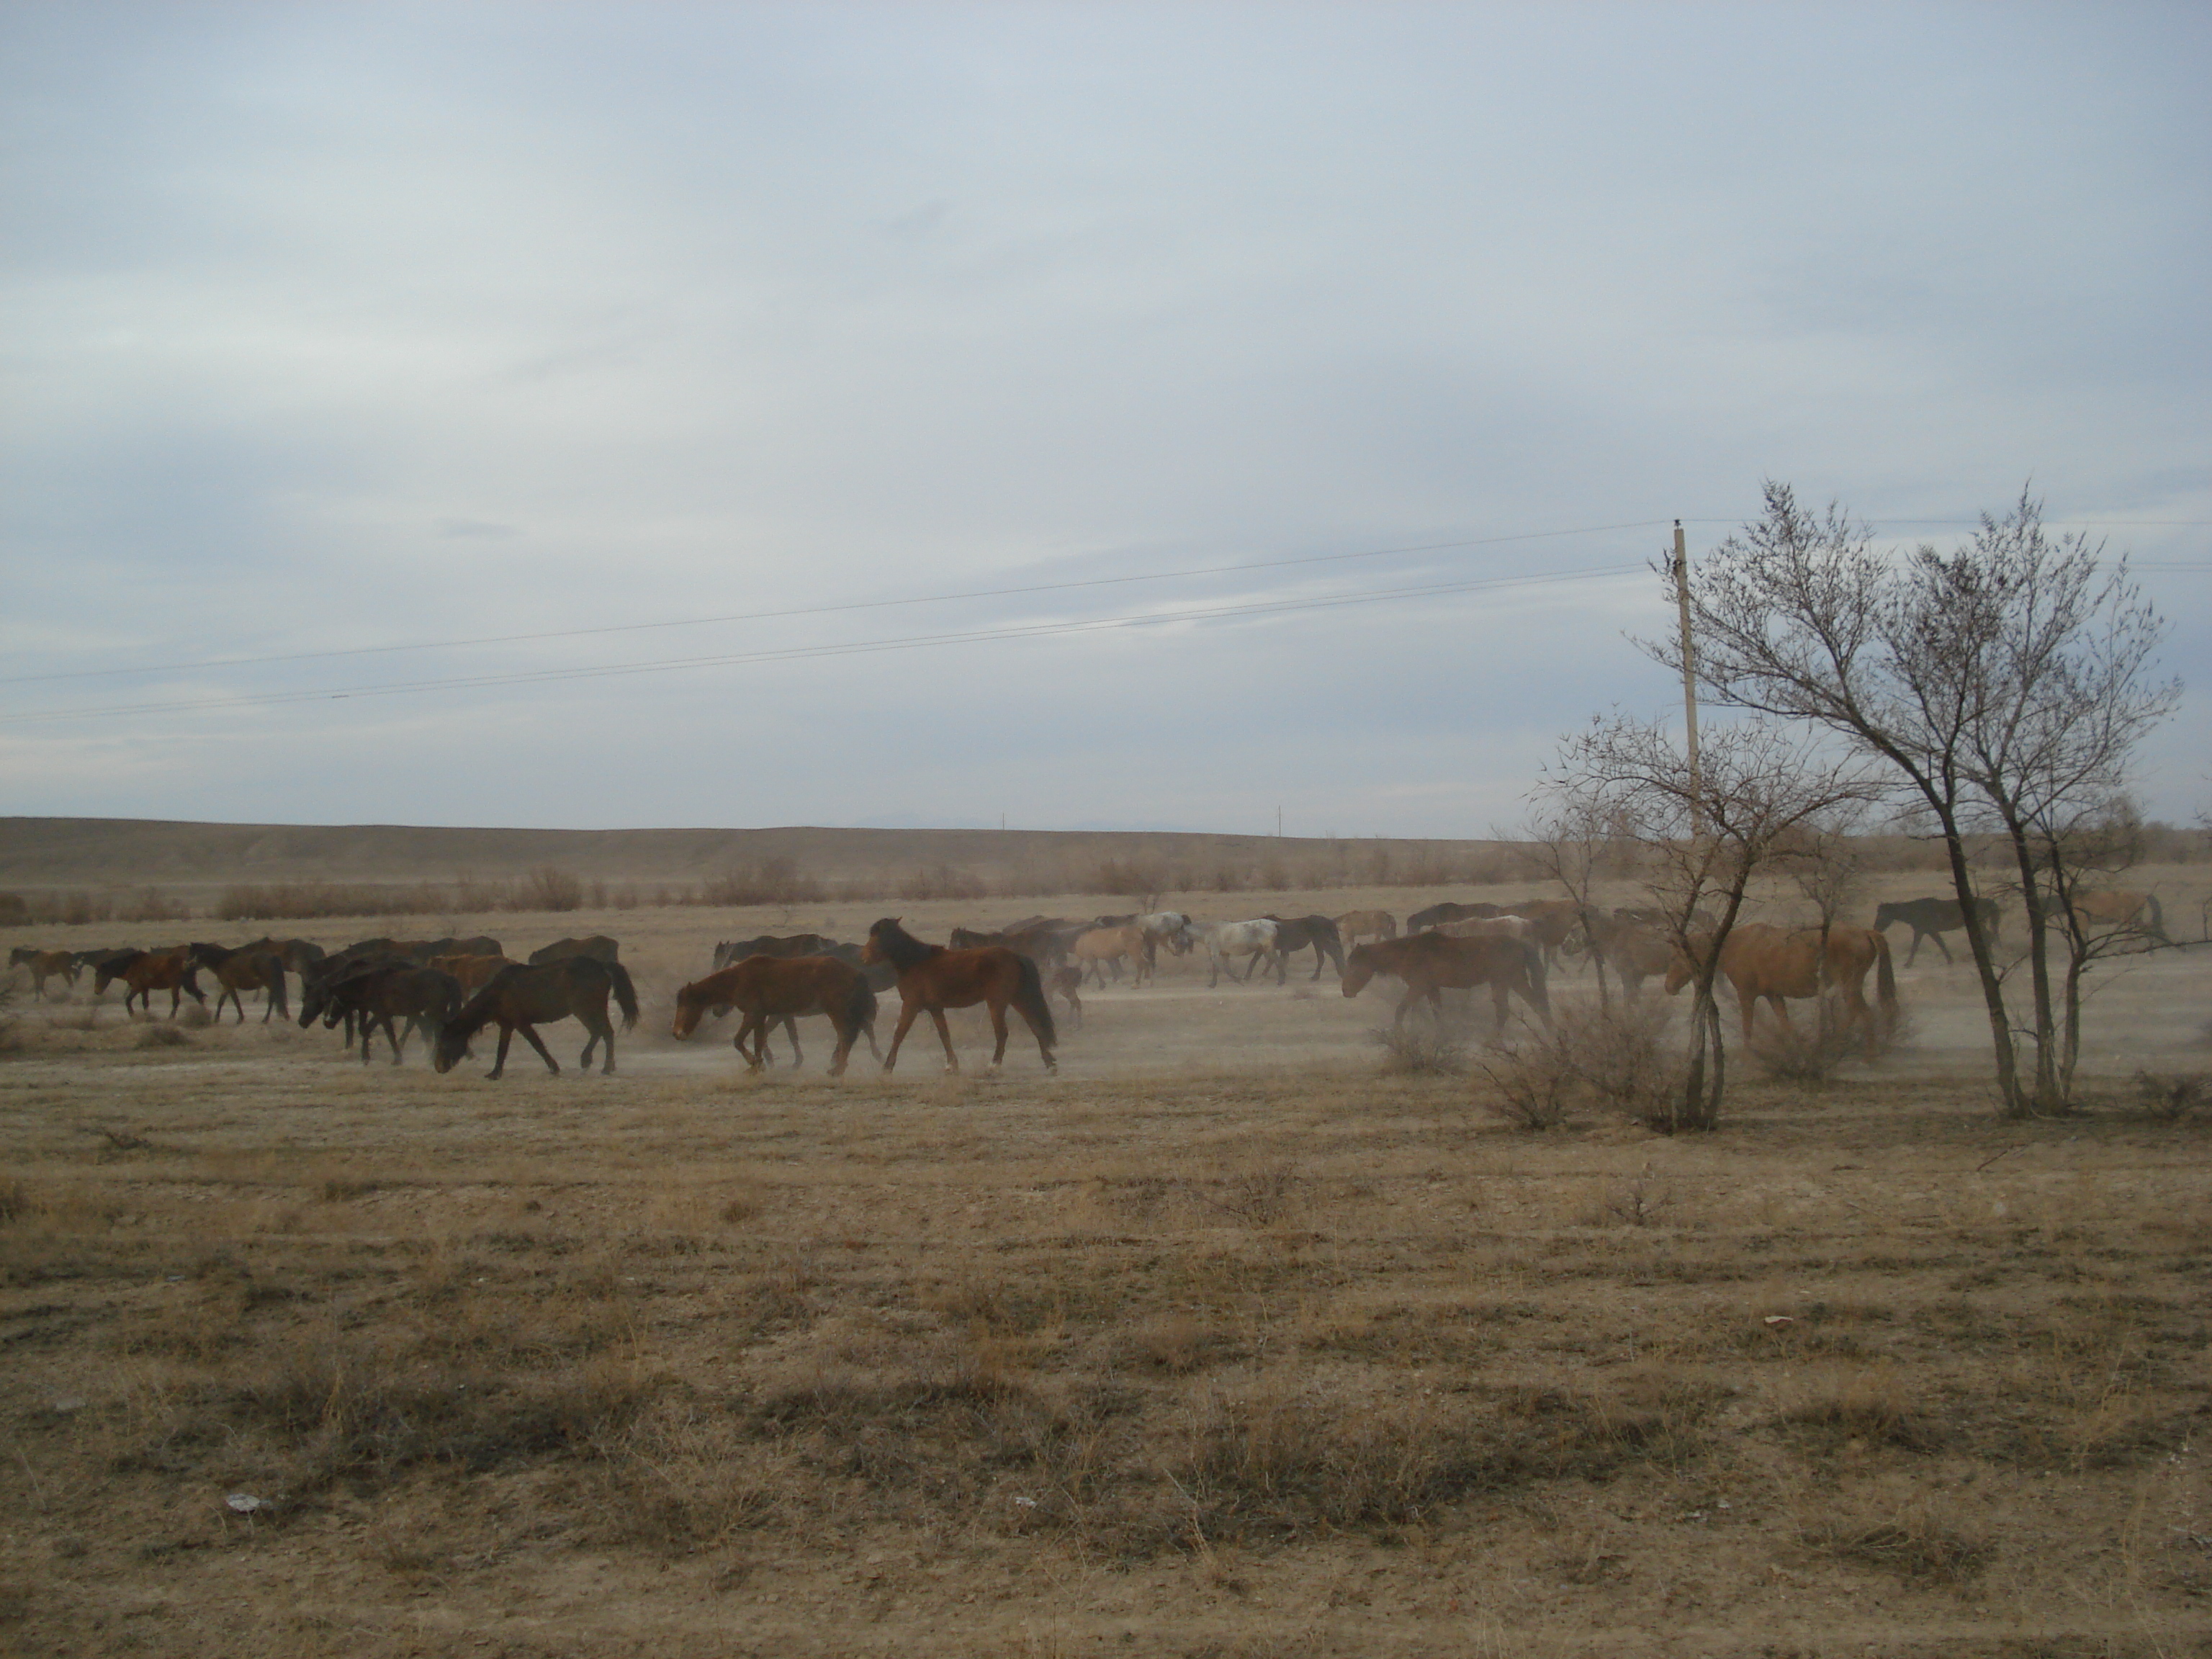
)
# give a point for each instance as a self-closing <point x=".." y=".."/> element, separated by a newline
<point x="1553" y="922"/>
<point x="769" y="945"/>
<point x="2119" y="909"/>
<point x="1318" y="933"/>
<point x="472" y="972"/>
<point x="1227" y="940"/>
<point x="1096" y="947"/>
<point x="247" y="967"/>
<point x="767" y="989"/>
<point x="521" y="997"/>
<point x="1354" y="925"/>
<point x="386" y="993"/>
<point x="1775" y="962"/>
<point x="1431" y="963"/>
<point x="1633" y="949"/>
<point x="597" y="947"/>
<point x="931" y="979"/>
<point x="44" y="965"/>
<point x="1932" y="918"/>
<point x="144" y="972"/>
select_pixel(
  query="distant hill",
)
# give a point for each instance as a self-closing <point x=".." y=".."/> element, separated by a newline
<point x="70" y="852"/>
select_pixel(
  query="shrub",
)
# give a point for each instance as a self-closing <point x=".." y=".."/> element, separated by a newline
<point x="1617" y="1059"/>
<point x="1420" y="1049"/>
<point x="2169" y="1098"/>
<point x="551" y="888"/>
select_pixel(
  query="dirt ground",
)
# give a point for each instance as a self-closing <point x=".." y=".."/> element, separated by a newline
<point x="1226" y="1340"/>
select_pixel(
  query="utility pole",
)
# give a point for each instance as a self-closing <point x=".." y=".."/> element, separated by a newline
<point x="1279" y="824"/>
<point x="1689" y="675"/>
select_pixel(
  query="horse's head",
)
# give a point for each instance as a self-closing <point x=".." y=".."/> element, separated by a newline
<point x="1883" y="915"/>
<point x="1680" y="970"/>
<point x="1358" y="968"/>
<point x="20" y="954"/>
<point x="451" y="1049"/>
<point x="880" y="933"/>
<point x="691" y="1008"/>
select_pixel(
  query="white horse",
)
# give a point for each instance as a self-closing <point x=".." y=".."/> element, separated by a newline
<point x="1232" y="939"/>
<point x="1167" y="927"/>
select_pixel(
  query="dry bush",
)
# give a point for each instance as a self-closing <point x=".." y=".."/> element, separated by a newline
<point x="2168" y="1097"/>
<point x="1142" y="880"/>
<point x="1615" y="1059"/>
<point x="1420" y="1049"/>
<point x="551" y="888"/>
<point x="308" y="900"/>
<point x="943" y="882"/>
<point x="163" y="1037"/>
<point x="1874" y="1407"/>
<point x="768" y="881"/>
<point x="1814" y="1052"/>
<point x="15" y="910"/>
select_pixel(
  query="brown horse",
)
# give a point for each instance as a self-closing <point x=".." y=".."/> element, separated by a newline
<point x="1775" y="962"/>
<point x="1066" y="984"/>
<point x="1354" y="925"/>
<point x="1553" y="921"/>
<point x="767" y="989"/>
<point x="1448" y="910"/>
<point x="1431" y="963"/>
<point x="1633" y="950"/>
<point x="471" y="972"/>
<point x="522" y="998"/>
<point x="44" y="965"/>
<point x="596" y="946"/>
<point x="1099" y="945"/>
<point x="144" y="972"/>
<point x="244" y="969"/>
<point x="931" y="979"/>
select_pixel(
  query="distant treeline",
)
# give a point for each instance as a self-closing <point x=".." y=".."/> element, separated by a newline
<point x="1300" y="865"/>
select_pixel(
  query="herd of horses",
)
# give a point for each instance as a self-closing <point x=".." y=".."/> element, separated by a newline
<point x="450" y="990"/>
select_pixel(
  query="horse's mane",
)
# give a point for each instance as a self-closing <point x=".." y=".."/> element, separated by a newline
<point x="900" y="948"/>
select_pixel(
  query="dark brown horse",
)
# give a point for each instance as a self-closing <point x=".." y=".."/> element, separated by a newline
<point x="521" y="999"/>
<point x="931" y="979"/>
<point x="144" y="972"/>
<point x="386" y="992"/>
<point x="244" y="969"/>
<point x="1316" y="933"/>
<point x="769" y="989"/>
<point x="596" y="946"/>
<point x="1448" y="911"/>
<point x="1932" y="918"/>
<point x="1431" y="963"/>
<point x="471" y="971"/>
<point x="45" y="965"/>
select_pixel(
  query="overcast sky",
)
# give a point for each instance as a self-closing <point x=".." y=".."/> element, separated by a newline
<point x="331" y="329"/>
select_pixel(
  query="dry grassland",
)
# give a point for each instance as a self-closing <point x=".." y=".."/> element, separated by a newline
<point x="1224" y="1342"/>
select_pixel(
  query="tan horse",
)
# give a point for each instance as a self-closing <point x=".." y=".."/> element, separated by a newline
<point x="1354" y="925"/>
<point x="1432" y="962"/>
<point x="2117" y="909"/>
<point x="1094" y="950"/>
<point x="44" y="965"/>
<point x="1776" y="962"/>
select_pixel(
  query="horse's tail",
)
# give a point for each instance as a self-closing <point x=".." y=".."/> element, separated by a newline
<point x="1532" y="963"/>
<point x="860" y="1005"/>
<point x="625" y="993"/>
<point x="1029" y="998"/>
<point x="1885" y="984"/>
<point x="272" y="970"/>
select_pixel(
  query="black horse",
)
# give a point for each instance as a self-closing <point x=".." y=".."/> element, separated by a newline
<point x="1296" y="933"/>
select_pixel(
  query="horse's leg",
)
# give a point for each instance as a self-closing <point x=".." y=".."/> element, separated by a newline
<point x="1942" y="946"/>
<point x="499" y="1060"/>
<point x="606" y="1032"/>
<point x="998" y="1007"/>
<point x="530" y="1035"/>
<point x="944" y="1036"/>
<point x="791" y="1031"/>
<point x="907" y="1011"/>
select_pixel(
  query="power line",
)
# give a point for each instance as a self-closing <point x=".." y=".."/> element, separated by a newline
<point x="789" y="654"/>
<point x="817" y="610"/>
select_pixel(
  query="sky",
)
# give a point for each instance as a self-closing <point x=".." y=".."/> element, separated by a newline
<point x="1328" y="376"/>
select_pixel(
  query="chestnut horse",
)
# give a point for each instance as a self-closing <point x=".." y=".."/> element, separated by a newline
<point x="767" y="989"/>
<point x="2118" y="908"/>
<point x="931" y="979"/>
<point x="144" y="972"/>
<point x="1431" y="963"/>
<point x="1775" y="962"/>
<point x="471" y="972"/>
<point x="44" y="964"/>
<point x="520" y="998"/>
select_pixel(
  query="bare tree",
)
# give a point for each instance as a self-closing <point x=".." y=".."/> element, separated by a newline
<point x="1705" y="832"/>
<point x="2078" y="854"/>
<point x="1571" y="841"/>
<point x="1992" y="684"/>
